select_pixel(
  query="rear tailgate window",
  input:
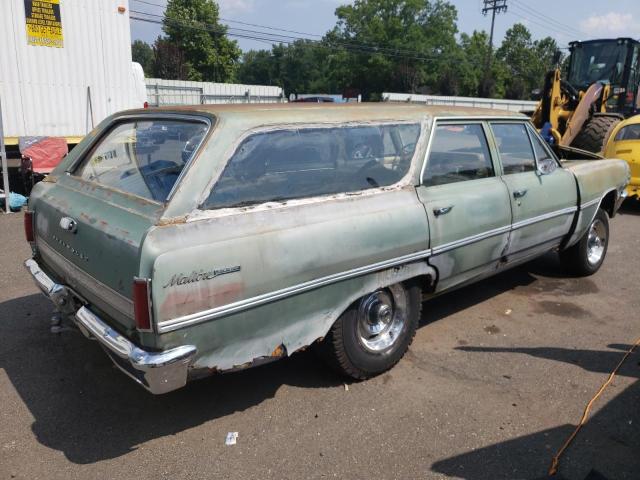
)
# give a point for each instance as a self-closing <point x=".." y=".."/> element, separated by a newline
<point x="143" y="157"/>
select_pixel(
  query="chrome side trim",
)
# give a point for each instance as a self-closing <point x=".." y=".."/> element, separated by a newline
<point x="217" y="312"/>
<point x="472" y="239"/>
<point x="542" y="218"/>
<point x="590" y="203"/>
<point x="223" y="310"/>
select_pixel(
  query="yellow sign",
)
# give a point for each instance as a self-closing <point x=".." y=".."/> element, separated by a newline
<point x="44" y="23"/>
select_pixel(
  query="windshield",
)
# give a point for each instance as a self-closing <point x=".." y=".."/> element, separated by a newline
<point x="597" y="62"/>
<point x="143" y="157"/>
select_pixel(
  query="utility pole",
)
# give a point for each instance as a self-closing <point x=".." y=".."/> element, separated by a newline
<point x="493" y="6"/>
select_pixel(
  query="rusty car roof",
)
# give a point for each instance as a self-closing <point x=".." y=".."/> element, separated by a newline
<point x="294" y="112"/>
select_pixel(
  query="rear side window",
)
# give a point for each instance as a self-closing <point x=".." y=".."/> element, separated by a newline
<point x="514" y="147"/>
<point x="296" y="163"/>
<point x="630" y="132"/>
<point x="458" y="152"/>
<point x="143" y="157"/>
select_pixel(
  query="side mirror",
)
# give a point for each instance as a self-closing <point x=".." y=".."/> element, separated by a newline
<point x="547" y="166"/>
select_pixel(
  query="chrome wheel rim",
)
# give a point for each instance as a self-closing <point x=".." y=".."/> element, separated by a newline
<point x="596" y="242"/>
<point x="382" y="316"/>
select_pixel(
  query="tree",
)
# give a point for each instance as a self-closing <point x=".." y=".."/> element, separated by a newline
<point x="193" y="27"/>
<point x="525" y="60"/>
<point x="399" y="45"/>
<point x="142" y="53"/>
<point x="169" y="61"/>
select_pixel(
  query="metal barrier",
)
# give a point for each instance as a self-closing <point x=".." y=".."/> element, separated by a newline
<point x="493" y="103"/>
<point x="178" y="92"/>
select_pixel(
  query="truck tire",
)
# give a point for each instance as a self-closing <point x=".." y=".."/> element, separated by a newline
<point x="374" y="333"/>
<point x="585" y="257"/>
<point x="595" y="133"/>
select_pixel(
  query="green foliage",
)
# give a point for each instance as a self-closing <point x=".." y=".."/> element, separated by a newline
<point x="142" y="53"/>
<point x="169" y="61"/>
<point x="525" y="61"/>
<point x="376" y="45"/>
<point x="415" y="39"/>
<point x="192" y="26"/>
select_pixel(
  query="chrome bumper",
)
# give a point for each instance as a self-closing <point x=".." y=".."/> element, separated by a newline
<point x="621" y="198"/>
<point x="158" y="372"/>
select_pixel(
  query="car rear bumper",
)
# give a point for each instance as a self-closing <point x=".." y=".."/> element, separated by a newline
<point x="158" y="372"/>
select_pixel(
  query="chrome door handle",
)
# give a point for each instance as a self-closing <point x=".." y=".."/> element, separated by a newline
<point x="519" y="193"/>
<point x="442" y="210"/>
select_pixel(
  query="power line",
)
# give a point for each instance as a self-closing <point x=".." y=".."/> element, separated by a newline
<point x="545" y="18"/>
<point x="255" y="35"/>
<point x="545" y="27"/>
<point x="267" y="27"/>
<point x="376" y="48"/>
<point x="279" y="38"/>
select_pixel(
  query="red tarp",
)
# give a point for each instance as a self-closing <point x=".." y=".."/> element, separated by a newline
<point x="45" y="152"/>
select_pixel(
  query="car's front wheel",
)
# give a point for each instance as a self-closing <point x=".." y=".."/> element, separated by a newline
<point x="375" y="332"/>
<point x="585" y="257"/>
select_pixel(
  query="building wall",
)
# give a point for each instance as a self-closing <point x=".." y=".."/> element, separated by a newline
<point x="44" y="90"/>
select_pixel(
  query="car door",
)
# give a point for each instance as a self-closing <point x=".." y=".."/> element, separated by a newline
<point x="467" y="204"/>
<point x="543" y="195"/>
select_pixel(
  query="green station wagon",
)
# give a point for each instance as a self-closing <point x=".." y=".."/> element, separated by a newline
<point x="197" y="240"/>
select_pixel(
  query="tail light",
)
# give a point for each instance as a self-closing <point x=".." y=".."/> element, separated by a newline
<point x="28" y="226"/>
<point x="142" y="304"/>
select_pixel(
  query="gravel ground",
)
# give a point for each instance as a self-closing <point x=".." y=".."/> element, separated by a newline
<point x="496" y="379"/>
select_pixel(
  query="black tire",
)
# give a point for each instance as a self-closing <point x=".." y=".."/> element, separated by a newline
<point x="343" y="349"/>
<point x="595" y="133"/>
<point x="576" y="259"/>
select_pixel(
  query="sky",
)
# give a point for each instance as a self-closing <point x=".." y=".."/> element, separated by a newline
<point x="564" y="20"/>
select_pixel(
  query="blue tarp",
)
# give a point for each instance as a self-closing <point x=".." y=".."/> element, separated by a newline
<point x="16" y="201"/>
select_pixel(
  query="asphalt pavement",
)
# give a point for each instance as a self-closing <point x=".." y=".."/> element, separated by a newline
<point x="496" y="379"/>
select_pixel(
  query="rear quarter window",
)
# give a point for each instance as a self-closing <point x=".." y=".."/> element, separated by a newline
<point x="306" y="162"/>
<point x="142" y="157"/>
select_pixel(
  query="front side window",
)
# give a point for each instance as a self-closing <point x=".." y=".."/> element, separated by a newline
<point x="143" y="157"/>
<point x="514" y="147"/>
<point x="297" y="163"/>
<point x="458" y="152"/>
<point x="539" y="149"/>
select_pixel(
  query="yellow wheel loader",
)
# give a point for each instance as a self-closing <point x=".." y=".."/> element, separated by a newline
<point x="601" y="89"/>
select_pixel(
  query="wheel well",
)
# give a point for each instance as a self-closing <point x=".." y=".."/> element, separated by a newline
<point x="608" y="203"/>
<point x="426" y="282"/>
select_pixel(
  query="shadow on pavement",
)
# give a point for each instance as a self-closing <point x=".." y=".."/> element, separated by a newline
<point x="607" y="447"/>
<point x="86" y="408"/>
<point x="631" y="206"/>
<point x="89" y="410"/>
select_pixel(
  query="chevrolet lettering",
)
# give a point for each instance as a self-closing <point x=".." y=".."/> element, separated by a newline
<point x="227" y="236"/>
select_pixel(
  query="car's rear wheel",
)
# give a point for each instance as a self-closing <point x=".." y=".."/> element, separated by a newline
<point x="375" y="332"/>
<point x="585" y="257"/>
